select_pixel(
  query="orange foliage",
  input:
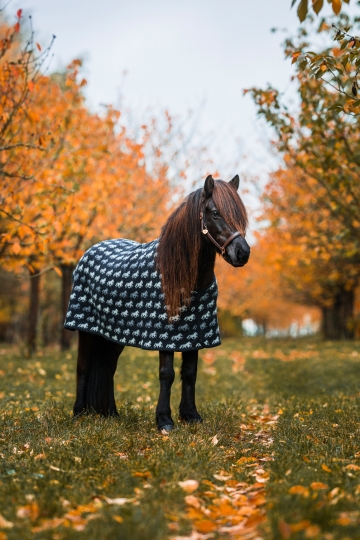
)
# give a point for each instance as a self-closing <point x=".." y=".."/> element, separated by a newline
<point x="70" y="178"/>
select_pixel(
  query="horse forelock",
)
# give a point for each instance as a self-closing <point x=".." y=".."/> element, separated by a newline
<point x="230" y="206"/>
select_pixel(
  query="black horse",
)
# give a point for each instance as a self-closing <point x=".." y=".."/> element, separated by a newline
<point x="159" y="296"/>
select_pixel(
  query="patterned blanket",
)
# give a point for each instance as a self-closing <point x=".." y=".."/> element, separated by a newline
<point x="117" y="294"/>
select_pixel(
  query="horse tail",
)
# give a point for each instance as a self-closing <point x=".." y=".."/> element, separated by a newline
<point x="96" y="366"/>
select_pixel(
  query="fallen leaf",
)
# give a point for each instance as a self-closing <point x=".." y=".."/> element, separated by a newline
<point x="16" y="247"/>
<point x="119" y="519"/>
<point x="31" y="511"/>
<point x="222" y="477"/>
<point x="191" y="500"/>
<point x="205" y="525"/>
<point x="214" y="440"/>
<point x="352" y="467"/>
<point x="194" y="536"/>
<point x="285" y="529"/>
<point x="344" y="521"/>
<point x="4" y="523"/>
<point x="140" y="474"/>
<point x="312" y="531"/>
<point x="296" y="527"/>
<point x="119" y="501"/>
<point x="318" y="485"/>
<point x="326" y="468"/>
<point x="189" y="485"/>
<point x="299" y="490"/>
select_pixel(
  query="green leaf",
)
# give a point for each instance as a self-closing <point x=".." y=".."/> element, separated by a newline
<point x="302" y="10"/>
<point x="335" y="106"/>
<point x="317" y="5"/>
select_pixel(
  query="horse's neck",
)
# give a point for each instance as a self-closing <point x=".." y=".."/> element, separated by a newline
<point x="206" y="265"/>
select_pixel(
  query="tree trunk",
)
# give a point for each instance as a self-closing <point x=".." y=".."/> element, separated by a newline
<point x="338" y="320"/>
<point x="33" y="312"/>
<point x="65" y="337"/>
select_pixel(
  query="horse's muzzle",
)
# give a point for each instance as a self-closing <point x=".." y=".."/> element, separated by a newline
<point x="238" y="252"/>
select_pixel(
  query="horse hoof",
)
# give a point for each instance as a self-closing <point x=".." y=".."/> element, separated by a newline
<point x="191" y="420"/>
<point x="166" y="428"/>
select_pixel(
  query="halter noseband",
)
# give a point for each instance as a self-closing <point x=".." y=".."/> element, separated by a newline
<point x="204" y="230"/>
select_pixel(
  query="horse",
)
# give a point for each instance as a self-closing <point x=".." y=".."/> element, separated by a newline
<point x="159" y="296"/>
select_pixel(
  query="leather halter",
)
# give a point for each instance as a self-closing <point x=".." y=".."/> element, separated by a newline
<point x="204" y="230"/>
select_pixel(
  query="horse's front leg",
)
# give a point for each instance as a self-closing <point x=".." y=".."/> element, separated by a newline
<point x="166" y="376"/>
<point x="187" y="408"/>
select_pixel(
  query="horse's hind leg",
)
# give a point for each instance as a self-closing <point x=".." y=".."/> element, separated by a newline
<point x="187" y="408"/>
<point x="85" y="348"/>
<point x="166" y="376"/>
<point x="97" y="361"/>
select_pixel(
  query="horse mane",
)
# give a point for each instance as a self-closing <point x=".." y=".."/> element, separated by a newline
<point x="180" y="242"/>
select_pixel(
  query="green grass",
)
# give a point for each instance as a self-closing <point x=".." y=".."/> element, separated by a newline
<point x="51" y="466"/>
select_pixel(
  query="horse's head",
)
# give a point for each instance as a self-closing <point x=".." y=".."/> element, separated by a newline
<point x="224" y="220"/>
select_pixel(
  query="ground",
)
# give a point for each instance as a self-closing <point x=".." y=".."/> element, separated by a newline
<point x="278" y="454"/>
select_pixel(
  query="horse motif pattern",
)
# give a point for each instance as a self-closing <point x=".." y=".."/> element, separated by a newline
<point x="117" y="294"/>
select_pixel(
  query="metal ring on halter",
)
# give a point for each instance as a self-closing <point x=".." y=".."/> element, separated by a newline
<point x="222" y="248"/>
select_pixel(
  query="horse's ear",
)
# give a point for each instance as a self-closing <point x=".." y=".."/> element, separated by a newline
<point x="209" y="186"/>
<point x="235" y="182"/>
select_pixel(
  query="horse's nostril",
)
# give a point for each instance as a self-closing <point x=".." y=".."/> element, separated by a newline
<point x="242" y="255"/>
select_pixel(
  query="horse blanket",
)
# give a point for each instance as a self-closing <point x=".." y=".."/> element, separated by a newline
<point x="117" y="294"/>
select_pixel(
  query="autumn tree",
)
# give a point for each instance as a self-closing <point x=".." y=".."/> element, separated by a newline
<point x="319" y="200"/>
<point x="260" y="291"/>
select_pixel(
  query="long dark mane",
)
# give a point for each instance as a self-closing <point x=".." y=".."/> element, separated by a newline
<point x="180" y="242"/>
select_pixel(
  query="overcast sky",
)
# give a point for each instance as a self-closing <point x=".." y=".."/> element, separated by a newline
<point x="179" y="55"/>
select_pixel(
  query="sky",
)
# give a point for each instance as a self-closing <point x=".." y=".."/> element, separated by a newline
<point x="183" y="55"/>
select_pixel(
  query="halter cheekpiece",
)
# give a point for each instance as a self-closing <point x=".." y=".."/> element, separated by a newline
<point x="205" y="230"/>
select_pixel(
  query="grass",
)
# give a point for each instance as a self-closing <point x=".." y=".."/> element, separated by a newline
<point x="284" y="414"/>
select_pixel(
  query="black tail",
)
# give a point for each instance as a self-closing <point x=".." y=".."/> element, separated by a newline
<point x="96" y="366"/>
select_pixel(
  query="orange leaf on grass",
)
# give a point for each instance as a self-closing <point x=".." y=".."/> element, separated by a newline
<point x="205" y="525"/>
<point x="146" y="474"/>
<point x="189" y="485"/>
<point x="299" y="490"/>
<point x="5" y="524"/>
<point x="352" y="467"/>
<point x="318" y="485"/>
<point x="16" y="248"/>
<point x="191" y="500"/>
<point x="285" y="529"/>
<point x="296" y="527"/>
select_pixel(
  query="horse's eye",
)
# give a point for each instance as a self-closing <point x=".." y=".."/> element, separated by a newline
<point x="215" y="214"/>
